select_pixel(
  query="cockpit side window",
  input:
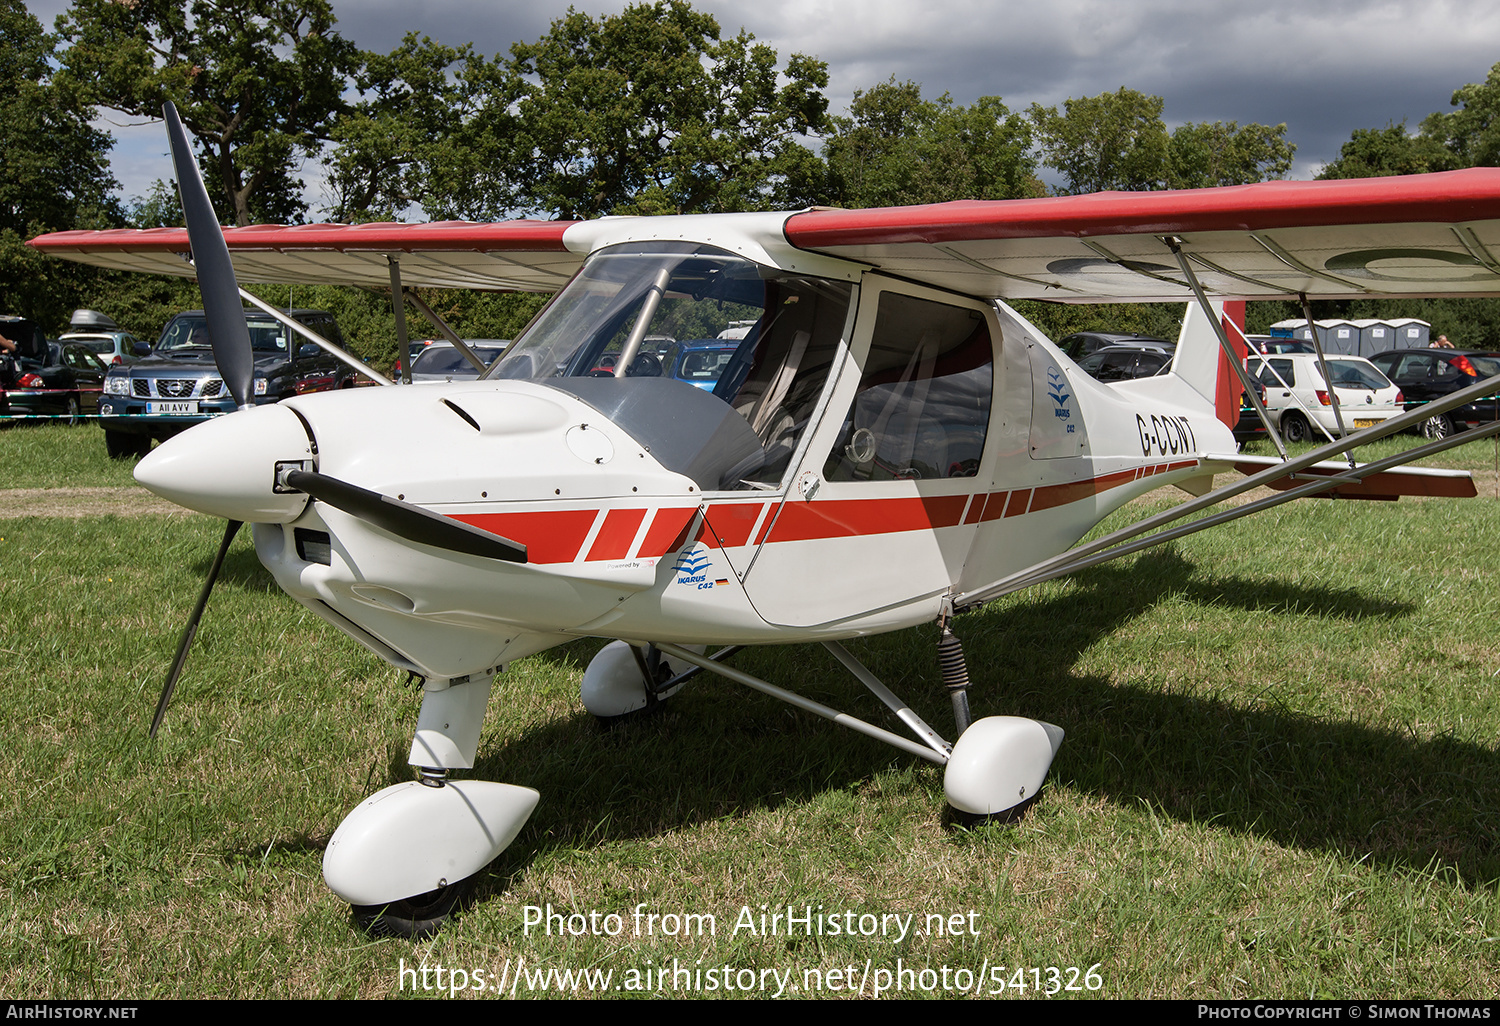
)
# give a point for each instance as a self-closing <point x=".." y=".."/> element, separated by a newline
<point x="922" y="408"/>
<point x="777" y="375"/>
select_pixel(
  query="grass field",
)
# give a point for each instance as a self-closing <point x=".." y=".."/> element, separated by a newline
<point x="1280" y="780"/>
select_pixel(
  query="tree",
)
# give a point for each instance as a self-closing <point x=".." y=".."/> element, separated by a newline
<point x="1471" y="133"/>
<point x="430" y="130"/>
<point x="1222" y="153"/>
<point x="1466" y="137"/>
<point x="1377" y="152"/>
<point x="56" y="170"/>
<point x="160" y="208"/>
<point x="649" y="111"/>
<point x="896" y="148"/>
<point x="1110" y="141"/>
<point x="257" y="82"/>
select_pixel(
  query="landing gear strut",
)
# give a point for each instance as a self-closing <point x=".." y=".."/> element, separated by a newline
<point x="997" y="764"/>
<point x="404" y="858"/>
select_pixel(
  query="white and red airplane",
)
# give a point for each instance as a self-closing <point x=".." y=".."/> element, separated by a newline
<point x="890" y="444"/>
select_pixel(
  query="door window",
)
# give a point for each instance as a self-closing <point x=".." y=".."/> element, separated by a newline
<point x="922" y="407"/>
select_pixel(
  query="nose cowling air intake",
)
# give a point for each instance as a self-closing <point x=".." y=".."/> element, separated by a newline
<point x="227" y="467"/>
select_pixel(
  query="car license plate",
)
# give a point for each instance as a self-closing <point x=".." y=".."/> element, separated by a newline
<point x="173" y="409"/>
<point x="1364" y="423"/>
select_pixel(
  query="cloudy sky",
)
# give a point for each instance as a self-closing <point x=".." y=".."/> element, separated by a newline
<point x="1325" y="67"/>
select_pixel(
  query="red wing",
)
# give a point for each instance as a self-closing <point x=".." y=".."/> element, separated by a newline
<point x="1419" y="235"/>
<point x="510" y="255"/>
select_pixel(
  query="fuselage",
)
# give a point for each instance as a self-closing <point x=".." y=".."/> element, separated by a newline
<point x="873" y="448"/>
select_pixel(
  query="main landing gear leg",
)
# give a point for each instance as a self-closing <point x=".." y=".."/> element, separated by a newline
<point x="403" y="859"/>
<point x="998" y="763"/>
<point x="623" y="680"/>
<point x="996" y="766"/>
<point x="955" y="677"/>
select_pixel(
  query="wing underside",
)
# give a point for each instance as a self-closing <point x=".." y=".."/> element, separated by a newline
<point x="522" y="256"/>
<point x="1419" y="235"/>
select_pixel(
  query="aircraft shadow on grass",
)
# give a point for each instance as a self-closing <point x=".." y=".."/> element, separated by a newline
<point x="1299" y="780"/>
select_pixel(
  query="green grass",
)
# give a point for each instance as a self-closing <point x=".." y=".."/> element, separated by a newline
<point x="57" y="456"/>
<point x="1280" y="777"/>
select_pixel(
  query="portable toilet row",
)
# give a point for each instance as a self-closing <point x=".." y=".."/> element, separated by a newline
<point x="1363" y="337"/>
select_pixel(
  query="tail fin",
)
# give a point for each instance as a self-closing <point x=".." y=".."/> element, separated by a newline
<point x="1200" y="359"/>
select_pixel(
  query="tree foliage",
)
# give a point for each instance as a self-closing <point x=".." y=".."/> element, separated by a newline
<point x="1207" y="154"/>
<point x="1377" y="152"/>
<point x="895" y="148"/>
<point x="431" y="131"/>
<point x="1110" y="141"/>
<point x="1472" y="132"/>
<point x="56" y="172"/>
<point x="649" y="111"/>
<point x="1448" y="140"/>
<point x="1119" y="141"/>
<point x="258" y="83"/>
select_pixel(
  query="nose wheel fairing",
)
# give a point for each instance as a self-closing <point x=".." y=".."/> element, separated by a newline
<point x="411" y="838"/>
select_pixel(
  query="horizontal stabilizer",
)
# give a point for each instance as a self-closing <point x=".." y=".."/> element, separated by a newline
<point x="1386" y="484"/>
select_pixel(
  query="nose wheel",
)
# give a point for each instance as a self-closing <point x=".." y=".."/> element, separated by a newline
<point x="415" y="918"/>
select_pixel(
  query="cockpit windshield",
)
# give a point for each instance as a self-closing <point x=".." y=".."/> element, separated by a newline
<point x="623" y="319"/>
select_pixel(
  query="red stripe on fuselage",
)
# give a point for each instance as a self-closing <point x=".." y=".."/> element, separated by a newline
<point x="614" y="538"/>
<point x="668" y="531"/>
<point x="844" y="518"/>
<point x="552" y="536"/>
<point x="558" y="536"/>
<point x="733" y="521"/>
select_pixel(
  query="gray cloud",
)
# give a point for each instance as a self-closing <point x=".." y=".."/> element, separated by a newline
<point x="1323" y="68"/>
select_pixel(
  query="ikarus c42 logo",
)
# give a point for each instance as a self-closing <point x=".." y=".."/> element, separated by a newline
<point x="695" y="569"/>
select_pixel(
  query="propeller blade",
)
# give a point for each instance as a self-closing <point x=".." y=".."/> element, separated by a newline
<point x="231" y="528"/>
<point x="227" y="332"/>
<point x="405" y="520"/>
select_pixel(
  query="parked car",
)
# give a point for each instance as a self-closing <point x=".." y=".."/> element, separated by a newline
<point x="103" y="337"/>
<point x="1126" y="362"/>
<point x="111" y="347"/>
<point x="1427" y="374"/>
<point x="1297" y="397"/>
<point x="178" y="385"/>
<point x="66" y="383"/>
<point x="442" y="361"/>
<point x="30" y="343"/>
<point x="413" y="350"/>
<point x="1082" y="343"/>
<point x="1250" y="427"/>
<point x="701" y="361"/>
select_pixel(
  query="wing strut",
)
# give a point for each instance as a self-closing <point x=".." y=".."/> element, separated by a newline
<point x="398" y="306"/>
<point x="1099" y="552"/>
<point x="1333" y="393"/>
<point x="316" y="339"/>
<point x="448" y="333"/>
<point x="1251" y="391"/>
<point x="1395" y="425"/>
